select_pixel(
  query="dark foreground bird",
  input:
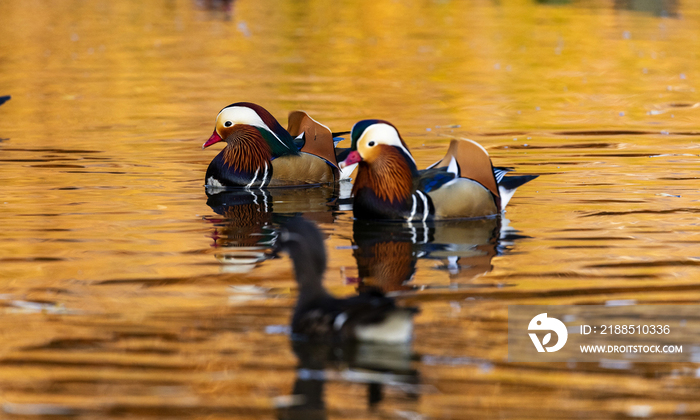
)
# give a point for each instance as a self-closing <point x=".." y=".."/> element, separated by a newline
<point x="370" y="316"/>
<point x="4" y="99"/>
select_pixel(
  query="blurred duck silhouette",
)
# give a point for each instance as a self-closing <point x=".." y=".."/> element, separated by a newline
<point x="463" y="184"/>
<point x="260" y="153"/>
<point x="4" y="99"/>
<point x="371" y="316"/>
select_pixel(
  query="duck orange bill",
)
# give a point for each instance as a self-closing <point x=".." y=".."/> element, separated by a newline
<point x="215" y="138"/>
<point x="353" y="158"/>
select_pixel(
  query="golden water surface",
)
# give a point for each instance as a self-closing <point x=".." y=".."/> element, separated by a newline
<point x="126" y="294"/>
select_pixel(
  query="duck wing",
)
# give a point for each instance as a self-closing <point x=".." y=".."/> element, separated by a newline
<point x="432" y="179"/>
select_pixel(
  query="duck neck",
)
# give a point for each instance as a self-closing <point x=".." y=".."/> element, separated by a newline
<point x="246" y="150"/>
<point x="309" y="275"/>
<point x="389" y="176"/>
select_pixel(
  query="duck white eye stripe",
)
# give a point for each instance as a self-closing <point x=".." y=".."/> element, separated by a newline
<point x="255" y="176"/>
<point x="426" y="208"/>
<point x="385" y="134"/>
<point x="247" y="116"/>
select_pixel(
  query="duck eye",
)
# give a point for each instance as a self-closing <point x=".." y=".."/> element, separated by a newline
<point x="370" y="144"/>
<point x="228" y="124"/>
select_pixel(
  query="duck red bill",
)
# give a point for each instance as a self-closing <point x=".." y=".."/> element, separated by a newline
<point x="215" y="138"/>
<point x="353" y="158"/>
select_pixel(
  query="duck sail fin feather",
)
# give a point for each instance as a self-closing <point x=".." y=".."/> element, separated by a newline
<point x="473" y="162"/>
<point x="318" y="139"/>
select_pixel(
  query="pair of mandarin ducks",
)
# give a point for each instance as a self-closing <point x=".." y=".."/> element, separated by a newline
<point x="260" y="153"/>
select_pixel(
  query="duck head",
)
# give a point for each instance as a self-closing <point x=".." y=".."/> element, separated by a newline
<point x="386" y="169"/>
<point x="245" y="121"/>
<point x="366" y="135"/>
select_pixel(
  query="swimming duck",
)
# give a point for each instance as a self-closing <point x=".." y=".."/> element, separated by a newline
<point x="389" y="186"/>
<point x="260" y="153"/>
<point x="370" y="316"/>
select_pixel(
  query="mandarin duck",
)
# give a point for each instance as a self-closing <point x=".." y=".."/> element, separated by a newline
<point x="388" y="185"/>
<point x="370" y="316"/>
<point x="260" y="153"/>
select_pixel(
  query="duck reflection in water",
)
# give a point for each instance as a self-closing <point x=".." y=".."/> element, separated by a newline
<point x="245" y="229"/>
<point x="364" y="338"/>
<point x="387" y="252"/>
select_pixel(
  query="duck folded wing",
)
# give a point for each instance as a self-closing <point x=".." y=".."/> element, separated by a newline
<point x="313" y="138"/>
<point x="432" y="179"/>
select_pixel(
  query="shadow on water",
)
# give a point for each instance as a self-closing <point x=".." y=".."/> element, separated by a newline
<point x="376" y="365"/>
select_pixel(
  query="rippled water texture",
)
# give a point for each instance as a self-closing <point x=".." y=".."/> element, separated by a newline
<point x="126" y="292"/>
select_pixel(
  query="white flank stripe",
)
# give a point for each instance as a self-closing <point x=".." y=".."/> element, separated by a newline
<point x="426" y="208"/>
<point x="425" y="233"/>
<point x="413" y="207"/>
<point x="255" y="176"/>
<point x="264" y="176"/>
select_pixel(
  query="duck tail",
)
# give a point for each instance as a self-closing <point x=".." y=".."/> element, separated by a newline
<point x="508" y="185"/>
